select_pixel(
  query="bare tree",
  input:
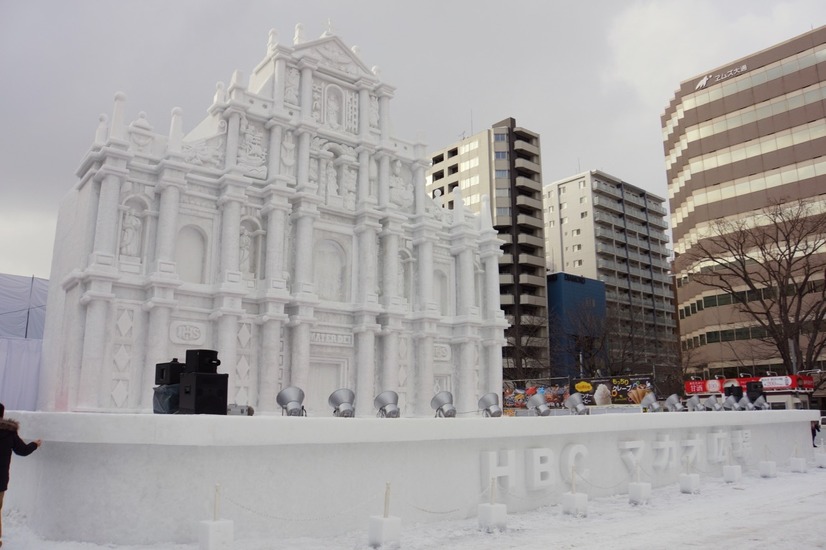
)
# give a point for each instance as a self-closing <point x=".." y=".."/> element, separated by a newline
<point x="526" y="351"/>
<point x="772" y="267"/>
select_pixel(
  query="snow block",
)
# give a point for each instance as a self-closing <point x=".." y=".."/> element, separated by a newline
<point x="732" y="473"/>
<point x="215" y="535"/>
<point x="575" y="504"/>
<point x="492" y="517"/>
<point x="639" y="493"/>
<point x="384" y="532"/>
<point x="767" y="468"/>
<point x="798" y="465"/>
<point x="690" y="483"/>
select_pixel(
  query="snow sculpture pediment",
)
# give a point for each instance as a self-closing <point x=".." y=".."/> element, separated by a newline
<point x="332" y="53"/>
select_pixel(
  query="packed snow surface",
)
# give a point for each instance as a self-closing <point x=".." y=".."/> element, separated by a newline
<point x="781" y="512"/>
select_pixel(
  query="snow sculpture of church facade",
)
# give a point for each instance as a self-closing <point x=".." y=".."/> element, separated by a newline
<point x="291" y="232"/>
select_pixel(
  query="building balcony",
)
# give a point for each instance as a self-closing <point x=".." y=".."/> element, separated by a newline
<point x="531" y="280"/>
<point x="607" y="189"/>
<point x="525" y="164"/>
<point x="529" y="259"/>
<point x="633" y="199"/>
<point x="656" y="208"/>
<point x="531" y="240"/>
<point x="531" y="221"/>
<point x="657" y="221"/>
<point x="522" y="145"/>
<point x="606" y="203"/>
<point x="527" y="183"/>
<point x="505" y="279"/>
<point x="522" y="200"/>
<point x="529" y="299"/>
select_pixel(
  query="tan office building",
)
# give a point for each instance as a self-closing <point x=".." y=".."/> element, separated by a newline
<point x="503" y="162"/>
<point x="737" y="139"/>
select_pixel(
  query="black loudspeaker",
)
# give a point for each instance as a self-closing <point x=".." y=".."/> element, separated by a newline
<point x="202" y="360"/>
<point x="168" y="373"/>
<point x="165" y="399"/>
<point x="754" y="390"/>
<point x="203" y="393"/>
<point x="736" y="391"/>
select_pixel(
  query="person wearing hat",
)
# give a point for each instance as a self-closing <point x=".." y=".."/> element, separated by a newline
<point x="10" y="442"/>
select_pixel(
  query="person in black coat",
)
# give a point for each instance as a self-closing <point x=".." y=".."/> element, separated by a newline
<point x="10" y="443"/>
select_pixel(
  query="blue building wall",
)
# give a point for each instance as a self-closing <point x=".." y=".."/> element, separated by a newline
<point x="571" y="298"/>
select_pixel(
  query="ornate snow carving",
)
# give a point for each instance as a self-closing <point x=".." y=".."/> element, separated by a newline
<point x="288" y="154"/>
<point x="291" y="87"/>
<point x="401" y="190"/>
<point x="252" y="150"/>
<point x="208" y="152"/>
<point x="333" y="55"/>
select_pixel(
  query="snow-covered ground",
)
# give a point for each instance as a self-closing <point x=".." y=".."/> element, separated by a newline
<point x="786" y="511"/>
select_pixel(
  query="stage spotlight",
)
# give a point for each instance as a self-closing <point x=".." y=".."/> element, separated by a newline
<point x="342" y="402"/>
<point x="761" y="404"/>
<point x="731" y="404"/>
<point x="387" y="402"/>
<point x="673" y="404"/>
<point x="712" y="404"/>
<point x="746" y="404"/>
<point x="290" y="399"/>
<point x="649" y="402"/>
<point x="693" y="403"/>
<point x="537" y="404"/>
<point x="442" y="402"/>
<point x="489" y="403"/>
<point x="575" y="405"/>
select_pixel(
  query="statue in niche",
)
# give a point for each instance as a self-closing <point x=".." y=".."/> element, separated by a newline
<point x="130" y="234"/>
<point x="348" y="188"/>
<point x="291" y="88"/>
<point x="374" y="111"/>
<point x="245" y="251"/>
<point x="332" y="179"/>
<point x="316" y="108"/>
<point x="333" y="112"/>
<point x="400" y="192"/>
<point x="313" y="176"/>
<point x="288" y="154"/>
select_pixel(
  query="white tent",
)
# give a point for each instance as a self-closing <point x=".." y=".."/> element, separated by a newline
<point x="22" y="318"/>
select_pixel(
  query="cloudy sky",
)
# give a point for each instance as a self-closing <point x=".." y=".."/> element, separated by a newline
<point x="591" y="76"/>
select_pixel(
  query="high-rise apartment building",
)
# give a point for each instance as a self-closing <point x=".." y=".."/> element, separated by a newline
<point x="504" y="163"/>
<point x="738" y="139"/>
<point x="600" y="227"/>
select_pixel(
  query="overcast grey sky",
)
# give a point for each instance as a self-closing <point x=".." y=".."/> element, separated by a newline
<point x="591" y="76"/>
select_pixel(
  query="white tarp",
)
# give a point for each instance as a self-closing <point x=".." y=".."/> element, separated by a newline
<point x="22" y="318"/>
<point x="19" y="371"/>
<point x="22" y="306"/>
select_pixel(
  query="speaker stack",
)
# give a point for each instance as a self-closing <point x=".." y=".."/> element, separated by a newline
<point x="193" y="387"/>
<point x="203" y="390"/>
<point x="168" y="380"/>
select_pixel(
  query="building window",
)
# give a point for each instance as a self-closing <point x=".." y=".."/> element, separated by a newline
<point x="503" y="174"/>
<point x="503" y="211"/>
<point x="500" y="155"/>
<point x="576" y="232"/>
<point x="564" y="221"/>
<point x="500" y="192"/>
<point x="583" y="200"/>
<point x="577" y="247"/>
<point x="552" y="223"/>
<point x="500" y="137"/>
<point x="468" y="147"/>
<point x="577" y="263"/>
<point x="582" y="184"/>
<point x="561" y="189"/>
<point x="583" y="214"/>
<point x="563" y="205"/>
